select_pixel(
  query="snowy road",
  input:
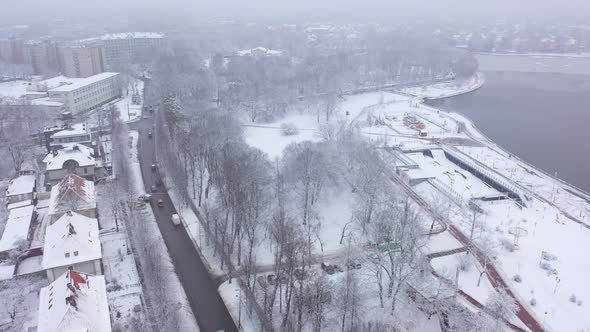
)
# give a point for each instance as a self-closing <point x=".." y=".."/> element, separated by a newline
<point x="210" y="310"/>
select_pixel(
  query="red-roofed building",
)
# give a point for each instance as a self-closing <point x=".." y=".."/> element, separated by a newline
<point x="75" y="301"/>
<point x="72" y="193"/>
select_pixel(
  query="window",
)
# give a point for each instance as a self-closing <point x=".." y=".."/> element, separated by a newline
<point x="67" y="254"/>
<point x="51" y="305"/>
<point x="76" y="252"/>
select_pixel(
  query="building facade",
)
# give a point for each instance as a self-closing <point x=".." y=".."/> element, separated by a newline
<point x="87" y="93"/>
<point x="12" y="50"/>
<point x="122" y="48"/>
<point x="43" y="56"/>
<point x="72" y="242"/>
<point x="81" y="60"/>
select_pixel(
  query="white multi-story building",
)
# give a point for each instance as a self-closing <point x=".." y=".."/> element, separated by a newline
<point x="82" y="94"/>
<point x="122" y="48"/>
<point x="81" y="60"/>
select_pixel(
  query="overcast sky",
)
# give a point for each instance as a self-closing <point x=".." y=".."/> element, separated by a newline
<point x="328" y="9"/>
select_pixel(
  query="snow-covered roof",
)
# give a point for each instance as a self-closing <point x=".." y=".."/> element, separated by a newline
<point x="72" y="239"/>
<point x="46" y="101"/>
<point x="72" y="151"/>
<point x="75" y="301"/>
<point x="72" y="193"/>
<point x="17" y="205"/>
<point x="17" y="227"/>
<point x="56" y="81"/>
<point x="23" y="184"/>
<point x="131" y="35"/>
<point x="77" y="83"/>
<point x="76" y="129"/>
<point x="260" y="51"/>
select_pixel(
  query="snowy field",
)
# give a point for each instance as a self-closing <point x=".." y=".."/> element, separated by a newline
<point x="12" y="90"/>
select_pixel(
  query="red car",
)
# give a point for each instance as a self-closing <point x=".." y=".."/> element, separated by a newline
<point x="160" y="202"/>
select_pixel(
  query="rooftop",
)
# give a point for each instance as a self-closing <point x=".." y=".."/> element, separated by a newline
<point x="23" y="184"/>
<point x="72" y="84"/>
<point x="17" y="227"/>
<point x="72" y="193"/>
<point x="260" y="51"/>
<point x="76" y="129"/>
<point x="75" y="301"/>
<point x="72" y="239"/>
<point x="131" y="35"/>
<point x="79" y="153"/>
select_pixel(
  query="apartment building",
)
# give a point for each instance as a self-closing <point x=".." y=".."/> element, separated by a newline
<point x="81" y="60"/>
<point x="121" y="48"/>
<point x="12" y="50"/>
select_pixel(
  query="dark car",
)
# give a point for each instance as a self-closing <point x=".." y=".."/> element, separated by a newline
<point x="154" y="188"/>
<point x="150" y="134"/>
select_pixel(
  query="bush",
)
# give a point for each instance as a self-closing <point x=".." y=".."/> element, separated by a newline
<point x="507" y="244"/>
<point x="547" y="267"/>
<point x="465" y="262"/>
<point x="573" y="298"/>
<point x="289" y="129"/>
<point x="517" y="278"/>
<point x="579" y="303"/>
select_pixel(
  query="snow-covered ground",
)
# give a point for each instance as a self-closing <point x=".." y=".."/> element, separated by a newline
<point x="447" y="89"/>
<point x="13" y="89"/>
<point x="129" y="110"/>
<point x="555" y="284"/>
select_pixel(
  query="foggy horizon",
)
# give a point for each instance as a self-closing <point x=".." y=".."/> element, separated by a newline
<point x="372" y="10"/>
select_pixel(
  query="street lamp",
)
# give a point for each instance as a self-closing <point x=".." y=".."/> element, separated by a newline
<point x="239" y="308"/>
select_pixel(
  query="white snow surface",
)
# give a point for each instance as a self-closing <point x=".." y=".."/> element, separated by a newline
<point x="72" y="191"/>
<point x="91" y="312"/>
<point x="23" y="184"/>
<point x="77" y="152"/>
<point x="17" y="227"/>
<point x="75" y="236"/>
<point x="13" y="89"/>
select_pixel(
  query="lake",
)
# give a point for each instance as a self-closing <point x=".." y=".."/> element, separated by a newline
<point x="544" y="118"/>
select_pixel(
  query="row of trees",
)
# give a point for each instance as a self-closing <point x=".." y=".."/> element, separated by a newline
<point x="251" y="203"/>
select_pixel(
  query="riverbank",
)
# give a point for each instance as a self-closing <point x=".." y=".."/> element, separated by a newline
<point x="446" y="89"/>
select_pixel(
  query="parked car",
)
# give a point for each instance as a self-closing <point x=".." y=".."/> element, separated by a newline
<point x="145" y="198"/>
<point x="262" y="281"/>
<point x="160" y="202"/>
<point x="154" y="188"/>
<point x="353" y="265"/>
<point x="154" y="167"/>
<point x="150" y="134"/>
<point x="300" y="274"/>
<point x="331" y="268"/>
<point x="270" y="278"/>
<point x="176" y="219"/>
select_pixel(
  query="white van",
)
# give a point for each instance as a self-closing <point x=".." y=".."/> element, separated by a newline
<point x="176" y="219"/>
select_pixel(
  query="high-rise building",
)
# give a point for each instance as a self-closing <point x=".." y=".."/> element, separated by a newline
<point x="12" y="50"/>
<point x="81" y="60"/>
<point x="43" y="56"/>
<point x="123" y="48"/>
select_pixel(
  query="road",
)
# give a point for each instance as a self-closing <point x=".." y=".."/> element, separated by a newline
<point x="206" y="303"/>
